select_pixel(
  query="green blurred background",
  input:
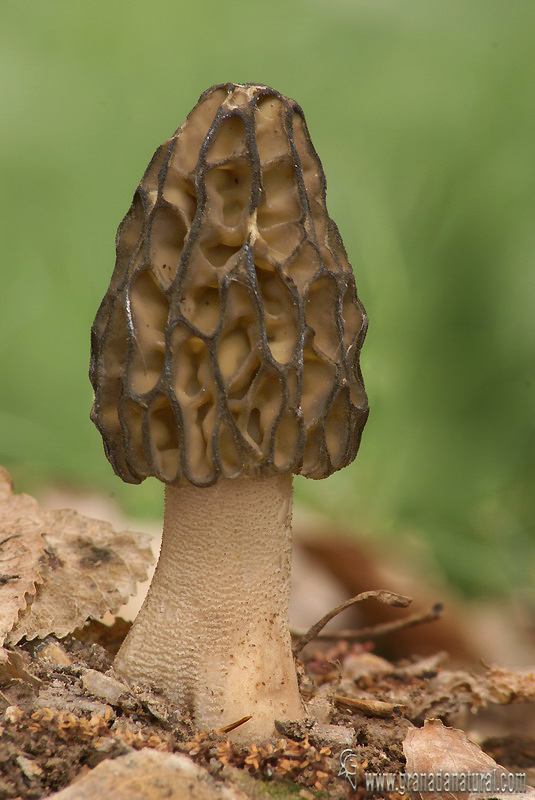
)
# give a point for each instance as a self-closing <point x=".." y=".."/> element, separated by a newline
<point x="423" y="113"/>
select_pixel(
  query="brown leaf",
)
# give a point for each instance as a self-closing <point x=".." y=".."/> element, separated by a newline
<point x="88" y="569"/>
<point x="12" y="668"/>
<point x="436" y="749"/>
<point x="21" y="547"/>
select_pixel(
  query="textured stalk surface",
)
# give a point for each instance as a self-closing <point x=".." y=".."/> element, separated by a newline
<point x="213" y="631"/>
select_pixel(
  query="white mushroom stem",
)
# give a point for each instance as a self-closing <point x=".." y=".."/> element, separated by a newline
<point x="213" y="631"/>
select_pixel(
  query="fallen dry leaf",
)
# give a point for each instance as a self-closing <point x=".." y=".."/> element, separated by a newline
<point x="21" y="548"/>
<point x="87" y="570"/>
<point x="12" y="668"/>
<point x="58" y="568"/>
<point x="436" y="749"/>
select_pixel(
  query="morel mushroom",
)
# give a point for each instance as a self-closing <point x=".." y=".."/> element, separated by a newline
<point x="225" y="358"/>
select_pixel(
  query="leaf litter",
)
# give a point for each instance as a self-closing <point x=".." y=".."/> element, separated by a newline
<point x="69" y="729"/>
<point x="60" y="568"/>
<point x="88" y="569"/>
<point x="22" y="546"/>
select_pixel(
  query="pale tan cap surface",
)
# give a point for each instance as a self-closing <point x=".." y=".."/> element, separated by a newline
<point x="228" y="342"/>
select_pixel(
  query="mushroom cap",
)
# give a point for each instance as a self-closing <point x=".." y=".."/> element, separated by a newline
<point x="228" y="341"/>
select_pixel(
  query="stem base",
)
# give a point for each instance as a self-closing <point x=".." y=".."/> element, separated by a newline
<point x="213" y="631"/>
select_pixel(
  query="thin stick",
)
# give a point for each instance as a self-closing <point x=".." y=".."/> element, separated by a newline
<point x="383" y="628"/>
<point x="376" y="708"/>
<point x="384" y="596"/>
<point x="234" y="725"/>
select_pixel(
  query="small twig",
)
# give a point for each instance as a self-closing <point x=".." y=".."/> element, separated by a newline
<point x="376" y="708"/>
<point x="234" y="725"/>
<point x="382" y="629"/>
<point x="6" y="578"/>
<point x="384" y="596"/>
<point x="422" y="668"/>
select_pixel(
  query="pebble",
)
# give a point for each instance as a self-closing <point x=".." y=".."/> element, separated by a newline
<point x="103" y="686"/>
<point x="148" y="775"/>
<point x="333" y="736"/>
